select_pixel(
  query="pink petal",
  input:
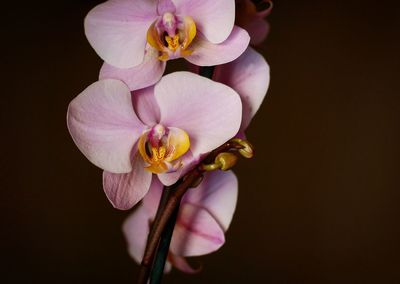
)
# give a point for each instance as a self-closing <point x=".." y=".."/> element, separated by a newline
<point x="117" y="30"/>
<point x="104" y="126"/>
<point x="143" y="75"/>
<point x="182" y="264"/>
<point x="206" y="53"/>
<point x="209" y="112"/>
<point x="217" y="194"/>
<point x="188" y="161"/>
<point x="136" y="229"/>
<point x="249" y="76"/>
<point x="152" y="198"/>
<point x="214" y="19"/>
<point x="165" y="6"/>
<point x="196" y="232"/>
<point x="126" y="190"/>
<point x="146" y="106"/>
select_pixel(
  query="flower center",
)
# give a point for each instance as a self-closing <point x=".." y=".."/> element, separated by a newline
<point x="172" y="35"/>
<point x="161" y="148"/>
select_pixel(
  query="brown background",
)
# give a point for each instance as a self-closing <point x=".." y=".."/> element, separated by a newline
<point x="318" y="204"/>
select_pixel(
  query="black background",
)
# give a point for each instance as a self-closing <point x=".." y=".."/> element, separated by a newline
<point x="318" y="204"/>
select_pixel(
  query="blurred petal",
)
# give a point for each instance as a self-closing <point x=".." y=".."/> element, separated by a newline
<point x="104" y="126"/>
<point x="152" y="198"/>
<point x="136" y="229"/>
<point x="217" y="194"/>
<point x="196" y="232"/>
<point x="267" y="5"/>
<point x="126" y="190"/>
<point x="206" y="53"/>
<point x="143" y="75"/>
<point x="117" y="30"/>
<point x="181" y="264"/>
<point x="249" y="76"/>
<point x="209" y="112"/>
<point x="165" y="6"/>
<point x="146" y="106"/>
<point x="258" y="30"/>
<point x="214" y="19"/>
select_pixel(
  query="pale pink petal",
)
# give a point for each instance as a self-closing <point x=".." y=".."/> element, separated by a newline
<point x="215" y="19"/>
<point x="136" y="229"/>
<point x="188" y="161"/>
<point x="152" y="198"/>
<point x="217" y="194"/>
<point x="145" y="106"/>
<point x="249" y="76"/>
<point x="165" y="6"/>
<point x="196" y="232"/>
<point x="104" y="126"/>
<point x="125" y="190"/>
<point x="143" y="75"/>
<point x="181" y="263"/>
<point x="117" y="30"/>
<point x="206" y="53"/>
<point x="209" y="112"/>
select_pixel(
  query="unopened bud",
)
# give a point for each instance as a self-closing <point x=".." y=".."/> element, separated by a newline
<point x="247" y="150"/>
<point x="226" y="160"/>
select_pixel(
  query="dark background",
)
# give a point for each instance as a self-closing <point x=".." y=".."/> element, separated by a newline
<point x="318" y="204"/>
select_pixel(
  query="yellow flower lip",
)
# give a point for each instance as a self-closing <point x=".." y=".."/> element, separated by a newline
<point x="172" y="37"/>
<point x="161" y="148"/>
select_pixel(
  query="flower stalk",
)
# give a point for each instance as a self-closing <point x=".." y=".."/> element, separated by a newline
<point x="173" y="200"/>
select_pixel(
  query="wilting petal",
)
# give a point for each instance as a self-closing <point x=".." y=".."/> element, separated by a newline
<point x="136" y="229"/>
<point x="249" y="76"/>
<point x="214" y="19"/>
<point x="125" y="190"/>
<point x="143" y="75"/>
<point x="208" y="111"/>
<point x="180" y="263"/>
<point x="117" y="30"/>
<point x="152" y="198"/>
<point x="267" y="5"/>
<point x="206" y="53"/>
<point x="196" y="232"/>
<point x="258" y="29"/>
<point x="217" y="194"/>
<point x="104" y="126"/>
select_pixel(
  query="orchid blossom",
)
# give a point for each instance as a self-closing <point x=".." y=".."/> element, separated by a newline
<point x="158" y="130"/>
<point x="136" y="38"/>
<point x="252" y="19"/>
<point x="249" y="76"/>
<point x="204" y="216"/>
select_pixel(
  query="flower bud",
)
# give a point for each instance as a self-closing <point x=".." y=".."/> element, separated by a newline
<point x="226" y="160"/>
<point x="247" y="150"/>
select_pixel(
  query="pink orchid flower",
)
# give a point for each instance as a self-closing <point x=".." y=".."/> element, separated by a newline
<point x="253" y="21"/>
<point x="249" y="76"/>
<point x="136" y="38"/>
<point x="204" y="216"/>
<point x="158" y="130"/>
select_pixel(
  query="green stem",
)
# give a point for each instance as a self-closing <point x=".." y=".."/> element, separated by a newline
<point x="147" y="262"/>
<point x="163" y="249"/>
